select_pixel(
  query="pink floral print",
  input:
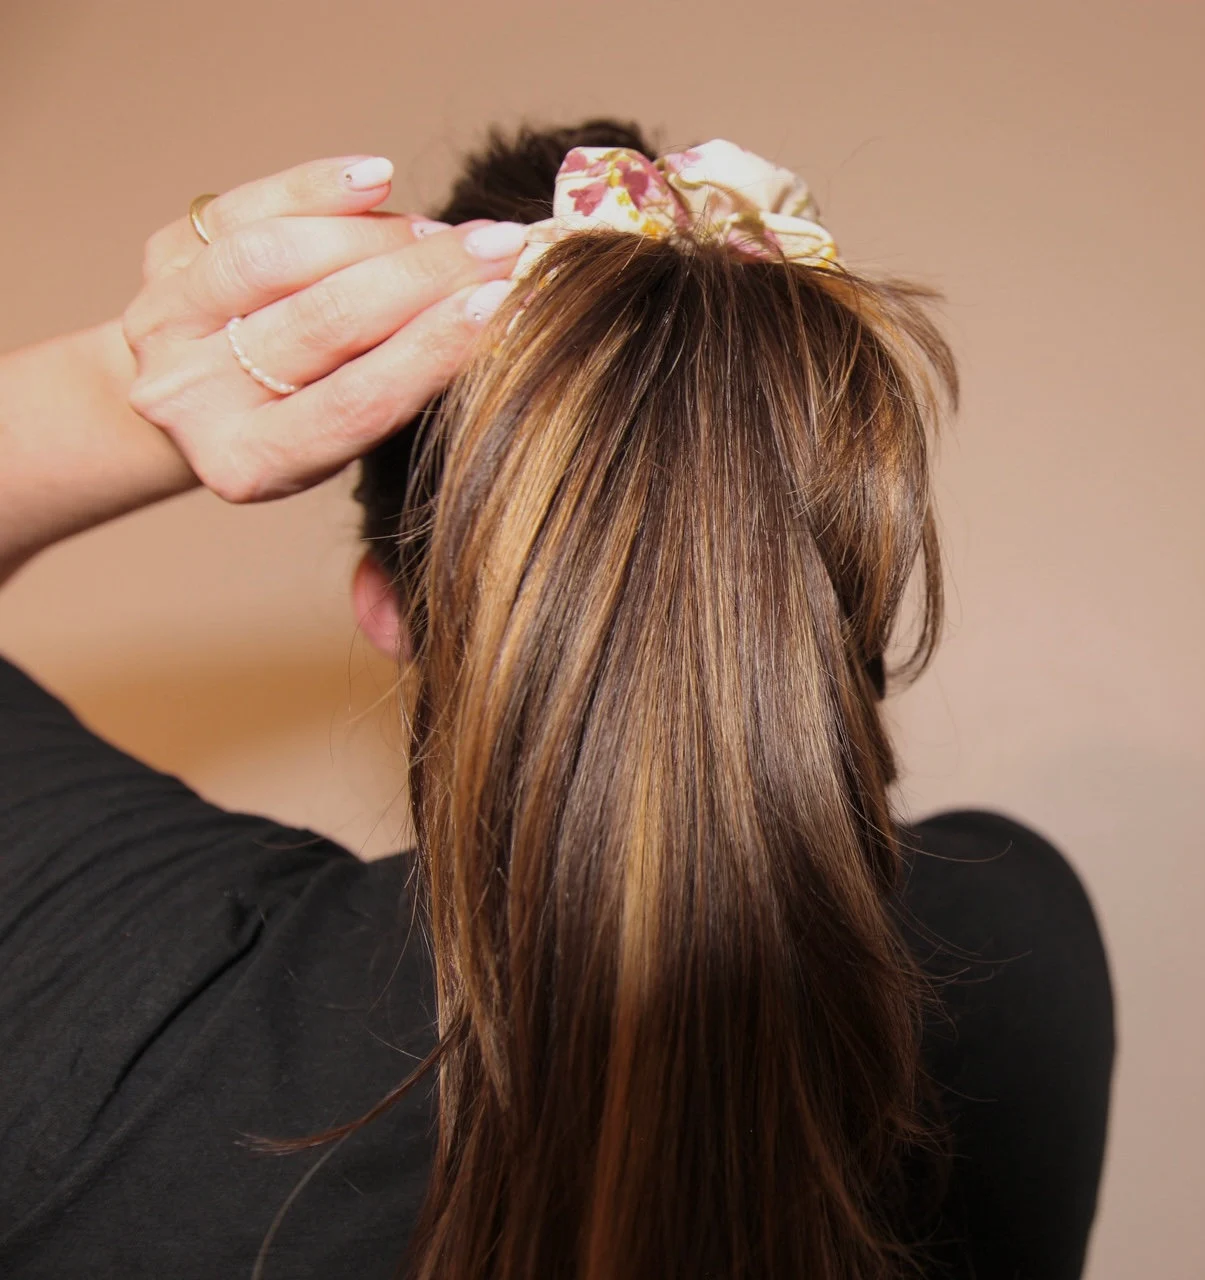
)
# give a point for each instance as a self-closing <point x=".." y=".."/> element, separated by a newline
<point x="716" y="192"/>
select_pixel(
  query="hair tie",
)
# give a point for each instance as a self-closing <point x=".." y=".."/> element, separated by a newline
<point x="716" y="193"/>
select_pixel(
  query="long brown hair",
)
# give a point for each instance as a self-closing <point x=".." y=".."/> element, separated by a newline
<point x="657" y="541"/>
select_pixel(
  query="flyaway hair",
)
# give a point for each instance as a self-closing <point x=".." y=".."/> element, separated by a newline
<point x="656" y="543"/>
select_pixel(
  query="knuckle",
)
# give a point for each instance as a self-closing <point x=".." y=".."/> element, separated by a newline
<point x="258" y="257"/>
<point x="135" y="325"/>
<point x="239" y="488"/>
<point x="153" y="394"/>
<point x="154" y="254"/>
<point x="144" y="397"/>
<point x="438" y="348"/>
<point x="352" y="401"/>
<point x="306" y="185"/>
<point x="324" y="318"/>
<point x="243" y="464"/>
<point x="231" y="475"/>
<point x="165" y="252"/>
<point x="427" y="271"/>
<point x="154" y="312"/>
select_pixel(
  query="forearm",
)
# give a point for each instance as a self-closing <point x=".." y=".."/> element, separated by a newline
<point x="73" y="454"/>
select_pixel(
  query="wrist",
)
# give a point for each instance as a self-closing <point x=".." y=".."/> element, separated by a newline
<point x="106" y="360"/>
<point x="73" y="454"/>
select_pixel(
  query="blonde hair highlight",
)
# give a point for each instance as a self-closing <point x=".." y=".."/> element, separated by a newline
<point x="658" y="542"/>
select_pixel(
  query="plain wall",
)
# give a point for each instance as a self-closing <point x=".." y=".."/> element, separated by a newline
<point x="1039" y="162"/>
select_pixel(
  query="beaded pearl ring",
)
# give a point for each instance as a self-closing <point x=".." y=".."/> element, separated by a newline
<point x="274" y="385"/>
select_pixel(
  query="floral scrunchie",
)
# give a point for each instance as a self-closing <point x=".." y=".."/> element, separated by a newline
<point x="716" y="192"/>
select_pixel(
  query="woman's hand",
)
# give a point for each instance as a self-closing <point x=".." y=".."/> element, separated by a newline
<point x="369" y="314"/>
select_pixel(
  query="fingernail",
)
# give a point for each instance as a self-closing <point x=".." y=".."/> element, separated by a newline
<point x="499" y="240"/>
<point x="427" y="226"/>
<point x="364" y="175"/>
<point x="483" y="302"/>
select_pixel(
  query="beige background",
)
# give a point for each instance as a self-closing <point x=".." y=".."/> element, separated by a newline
<point x="1041" y="162"/>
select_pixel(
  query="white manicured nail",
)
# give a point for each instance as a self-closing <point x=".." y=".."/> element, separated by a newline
<point x="501" y="240"/>
<point x="364" y="175"/>
<point x="483" y="302"/>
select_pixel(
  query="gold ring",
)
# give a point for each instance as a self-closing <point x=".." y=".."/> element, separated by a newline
<point x="198" y="207"/>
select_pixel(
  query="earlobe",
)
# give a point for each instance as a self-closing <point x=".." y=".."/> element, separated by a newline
<point x="377" y="612"/>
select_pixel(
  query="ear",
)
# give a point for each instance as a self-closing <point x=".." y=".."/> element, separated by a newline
<point x="377" y="610"/>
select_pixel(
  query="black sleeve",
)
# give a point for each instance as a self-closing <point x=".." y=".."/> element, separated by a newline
<point x="173" y="979"/>
<point x="123" y="896"/>
<point x="1022" y="1047"/>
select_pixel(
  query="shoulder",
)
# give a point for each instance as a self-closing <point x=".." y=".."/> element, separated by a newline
<point x="178" y="977"/>
<point x="987" y="882"/>
<point x="1021" y="1038"/>
<point x="1004" y="927"/>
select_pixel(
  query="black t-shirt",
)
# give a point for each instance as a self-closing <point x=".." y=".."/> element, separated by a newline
<point x="176" y="979"/>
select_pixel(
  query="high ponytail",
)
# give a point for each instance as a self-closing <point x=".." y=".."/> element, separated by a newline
<point x="665" y="528"/>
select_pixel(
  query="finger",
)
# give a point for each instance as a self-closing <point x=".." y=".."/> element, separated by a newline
<point x="261" y="263"/>
<point x="304" y="438"/>
<point x="349" y="184"/>
<point x="352" y="184"/>
<point x="307" y="335"/>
